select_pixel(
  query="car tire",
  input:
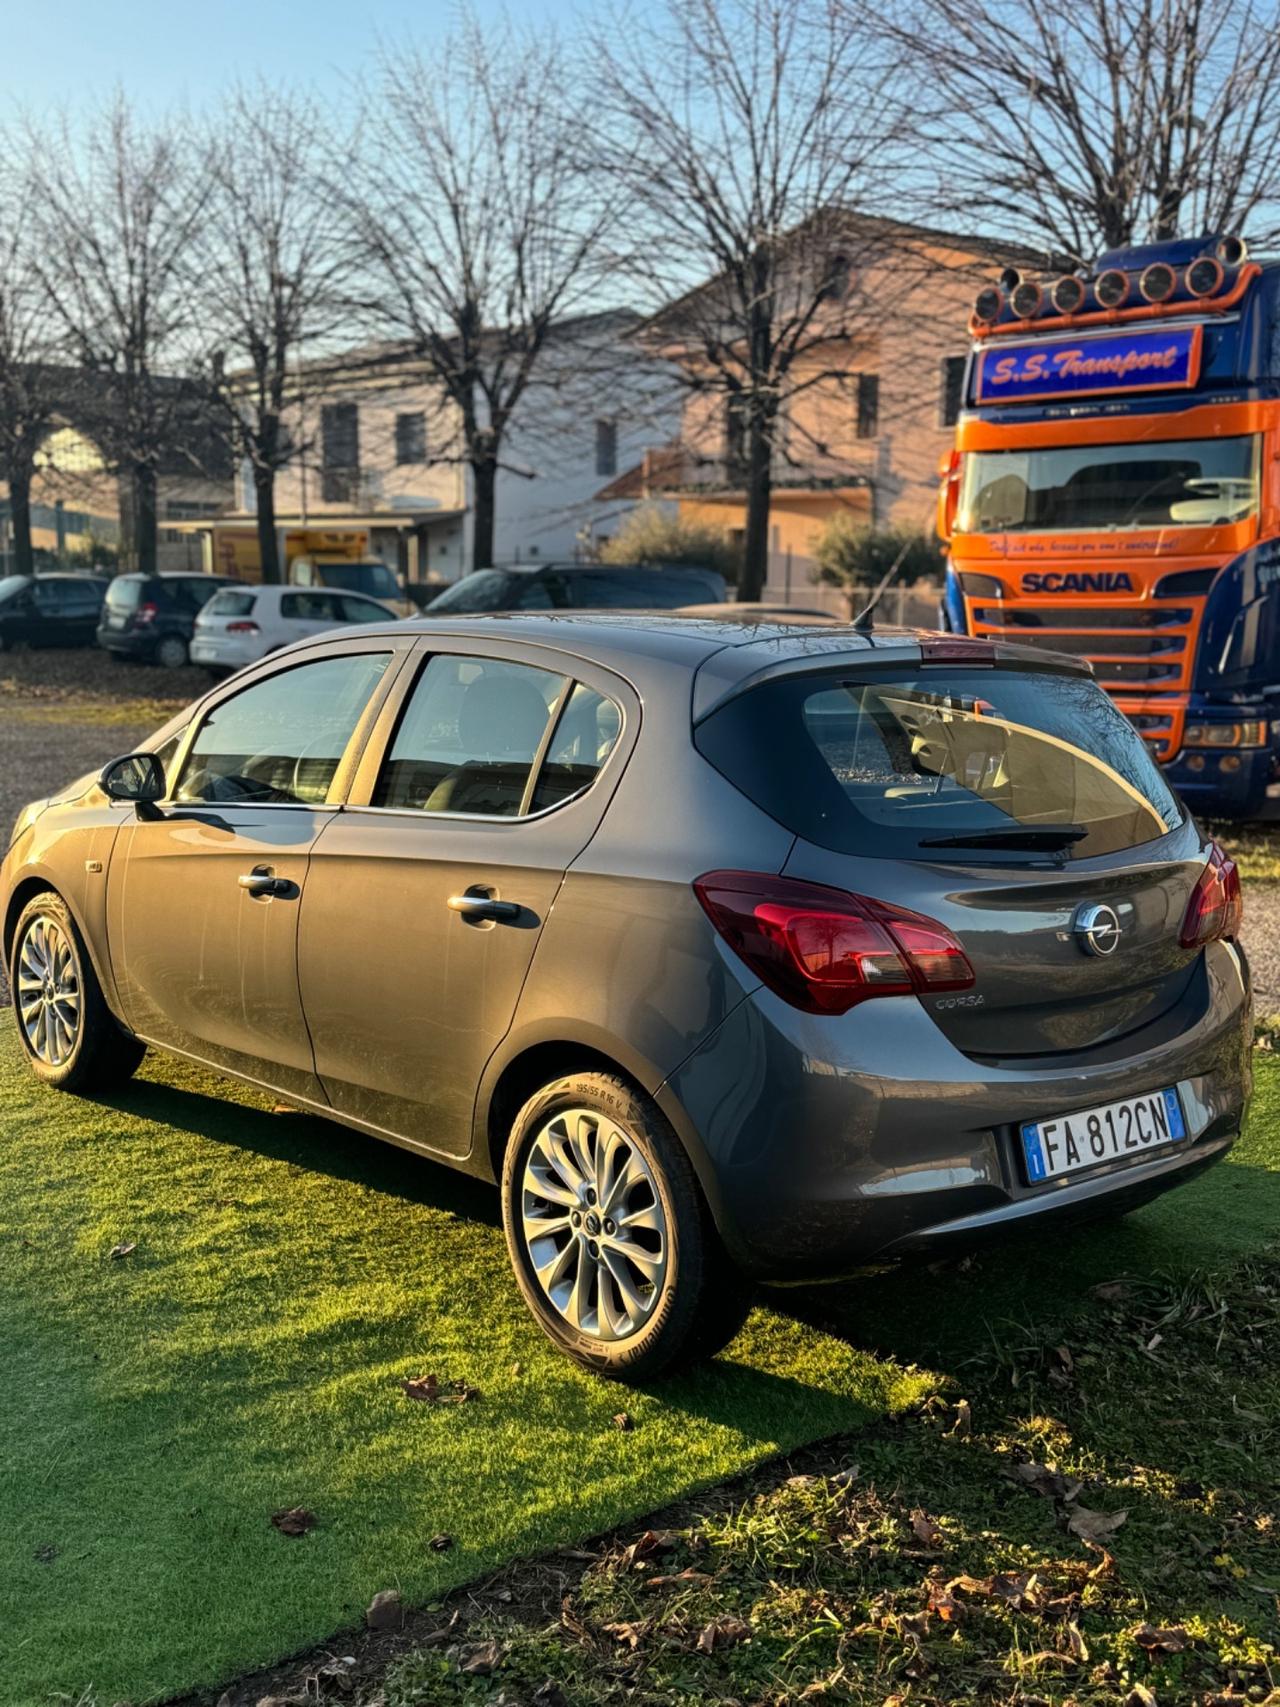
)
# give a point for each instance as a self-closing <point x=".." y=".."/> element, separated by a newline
<point x="629" y="1294"/>
<point x="79" y="1046"/>
<point x="170" y="652"/>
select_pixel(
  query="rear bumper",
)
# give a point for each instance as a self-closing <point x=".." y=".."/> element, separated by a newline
<point x="824" y="1144"/>
<point x="129" y="643"/>
<point x="223" y="651"/>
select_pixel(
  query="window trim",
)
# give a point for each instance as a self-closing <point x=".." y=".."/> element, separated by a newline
<point x="571" y="666"/>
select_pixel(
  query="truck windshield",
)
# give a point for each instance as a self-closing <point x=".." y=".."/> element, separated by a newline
<point x="1175" y="483"/>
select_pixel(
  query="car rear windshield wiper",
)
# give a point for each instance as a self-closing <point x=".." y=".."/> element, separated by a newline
<point x="1021" y="836"/>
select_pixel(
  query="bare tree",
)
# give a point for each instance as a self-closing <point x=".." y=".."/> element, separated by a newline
<point x="744" y="134"/>
<point x="29" y="384"/>
<point x="1093" y="124"/>
<point x="272" y="255"/>
<point x="480" y="226"/>
<point x="118" y="206"/>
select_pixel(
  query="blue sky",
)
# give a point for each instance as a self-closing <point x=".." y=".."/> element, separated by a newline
<point x="162" y="52"/>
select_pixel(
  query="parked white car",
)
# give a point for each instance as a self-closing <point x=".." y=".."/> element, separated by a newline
<point x="239" y="625"/>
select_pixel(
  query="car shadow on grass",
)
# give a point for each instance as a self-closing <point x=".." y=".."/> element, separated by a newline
<point x="940" y="1316"/>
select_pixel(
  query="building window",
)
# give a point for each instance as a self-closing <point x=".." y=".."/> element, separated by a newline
<point x="339" y="452"/>
<point x="837" y="280"/>
<point x="868" y="405"/>
<point x="411" y="438"/>
<point x="606" y="447"/>
<point x="952" y="390"/>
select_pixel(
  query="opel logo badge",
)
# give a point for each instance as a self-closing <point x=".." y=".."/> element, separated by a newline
<point x="1097" y="930"/>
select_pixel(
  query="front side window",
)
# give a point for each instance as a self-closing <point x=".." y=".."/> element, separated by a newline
<point x="281" y="740"/>
<point x="469" y="736"/>
<point x="944" y="759"/>
<point x="1176" y="483"/>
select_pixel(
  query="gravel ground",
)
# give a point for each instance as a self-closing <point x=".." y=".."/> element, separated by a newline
<point x="64" y="713"/>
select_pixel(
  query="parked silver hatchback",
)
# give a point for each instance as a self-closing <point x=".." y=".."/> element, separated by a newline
<point x="732" y="951"/>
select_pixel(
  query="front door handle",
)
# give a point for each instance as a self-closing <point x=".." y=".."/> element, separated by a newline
<point x="263" y="883"/>
<point x="477" y="906"/>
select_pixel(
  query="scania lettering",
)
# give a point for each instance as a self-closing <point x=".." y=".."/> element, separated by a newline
<point x="1114" y="493"/>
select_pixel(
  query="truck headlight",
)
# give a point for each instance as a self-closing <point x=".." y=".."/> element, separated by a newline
<point x="1249" y="732"/>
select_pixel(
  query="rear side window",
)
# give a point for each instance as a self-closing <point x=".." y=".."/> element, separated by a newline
<point x="231" y="602"/>
<point x="124" y="594"/>
<point x="907" y="766"/>
<point x="586" y="734"/>
<point x="469" y="736"/>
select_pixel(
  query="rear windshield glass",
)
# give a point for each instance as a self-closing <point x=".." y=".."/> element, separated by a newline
<point x="486" y="589"/>
<point x="123" y="594"/>
<point x="944" y="764"/>
<point x="644" y="589"/>
<point x="231" y="602"/>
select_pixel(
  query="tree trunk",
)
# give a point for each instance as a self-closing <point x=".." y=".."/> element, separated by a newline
<point x="755" y="546"/>
<point x="484" y="474"/>
<point x="264" y="486"/>
<point x="146" y="527"/>
<point x="24" y="561"/>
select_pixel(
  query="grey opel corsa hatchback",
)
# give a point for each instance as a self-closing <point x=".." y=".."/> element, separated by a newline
<point x="732" y="952"/>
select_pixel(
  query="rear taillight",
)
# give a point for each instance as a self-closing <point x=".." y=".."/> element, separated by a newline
<point x="1216" y="905"/>
<point x="243" y="628"/>
<point x="825" y="950"/>
<point x="144" y="614"/>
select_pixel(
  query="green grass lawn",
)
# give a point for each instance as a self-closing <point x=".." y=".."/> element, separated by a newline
<point x="247" y="1355"/>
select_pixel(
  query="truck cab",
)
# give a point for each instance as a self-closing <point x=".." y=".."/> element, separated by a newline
<point x="1114" y="493"/>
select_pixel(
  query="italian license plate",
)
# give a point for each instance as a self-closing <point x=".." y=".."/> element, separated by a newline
<point x="1114" y="1131"/>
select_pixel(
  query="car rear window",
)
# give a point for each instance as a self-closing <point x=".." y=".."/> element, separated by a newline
<point x="124" y="593"/>
<point x="231" y="601"/>
<point x="908" y="764"/>
<point x="644" y="589"/>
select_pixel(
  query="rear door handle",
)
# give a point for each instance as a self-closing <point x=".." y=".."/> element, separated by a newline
<point x="473" y="906"/>
<point x="263" y="883"/>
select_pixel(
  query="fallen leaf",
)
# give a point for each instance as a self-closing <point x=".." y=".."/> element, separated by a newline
<point x="846" y="1478"/>
<point x="723" y="1632"/>
<point x="623" y="1422"/>
<point x="549" y="1694"/>
<point x="685" y="1577"/>
<point x="385" y="1611"/>
<point x="1016" y="1588"/>
<point x="1076" y="1643"/>
<point x="1062" y="1355"/>
<point x="1050" y="1484"/>
<point x="124" y="1250"/>
<point x="297" y="1520"/>
<point x="482" y="1660"/>
<point x="440" y="1543"/>
<point x="1172" y="1639"/>
<point x="1111" y="1291"/>
<point x="630" y="1631"/>
<point x="925" y="1529"/>
<point x="1094" y="1525"/>
<point x="944" y="1603"/>
<point x="645" y="1546"/>
<point x="963" y="1425"/>
<point x="429" y="1390"/>
<point x="1140" y="1696"/>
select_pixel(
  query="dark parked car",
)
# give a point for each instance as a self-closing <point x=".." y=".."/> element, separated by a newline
<point x="49" y="610"/>
<point x="730" y="951"/>
<point x="152" y="617"/>
<point x="580" y="586"/>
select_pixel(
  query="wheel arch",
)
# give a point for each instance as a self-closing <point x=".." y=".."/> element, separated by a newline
<point x="526" y="1071"/>
<point x="25" y="890"/>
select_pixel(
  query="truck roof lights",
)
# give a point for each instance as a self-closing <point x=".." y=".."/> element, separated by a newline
<point x="987" y="305"/>
<point x="1158" y="282"/>
<point x="1068" y="294"/>
<point x="1111" y="288"/>
<point x="1205" y="276"/>
<point x="1026" y="299"/>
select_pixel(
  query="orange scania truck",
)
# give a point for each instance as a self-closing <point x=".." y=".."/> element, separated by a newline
<point x="1114" y="492"/>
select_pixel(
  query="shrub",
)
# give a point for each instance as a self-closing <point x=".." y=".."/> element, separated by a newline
<point x="856" y="557"/>
<point x="651" y="535"/>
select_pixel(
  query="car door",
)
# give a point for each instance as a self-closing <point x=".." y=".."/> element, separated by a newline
<point x="204" y="889"/>
<point x="426" y="895"/>
<point x="46" y="626"/>
<point x="81" y="607"/>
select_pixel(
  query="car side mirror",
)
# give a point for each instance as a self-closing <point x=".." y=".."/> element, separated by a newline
<point x="138" y="777"/>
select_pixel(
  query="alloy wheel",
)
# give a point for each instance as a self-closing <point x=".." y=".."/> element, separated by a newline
<point x="593" y="1224"/>
<point x="48" y="992"/>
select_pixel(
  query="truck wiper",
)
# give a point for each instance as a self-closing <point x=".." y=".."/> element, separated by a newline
<point x="1021" y="836"/>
